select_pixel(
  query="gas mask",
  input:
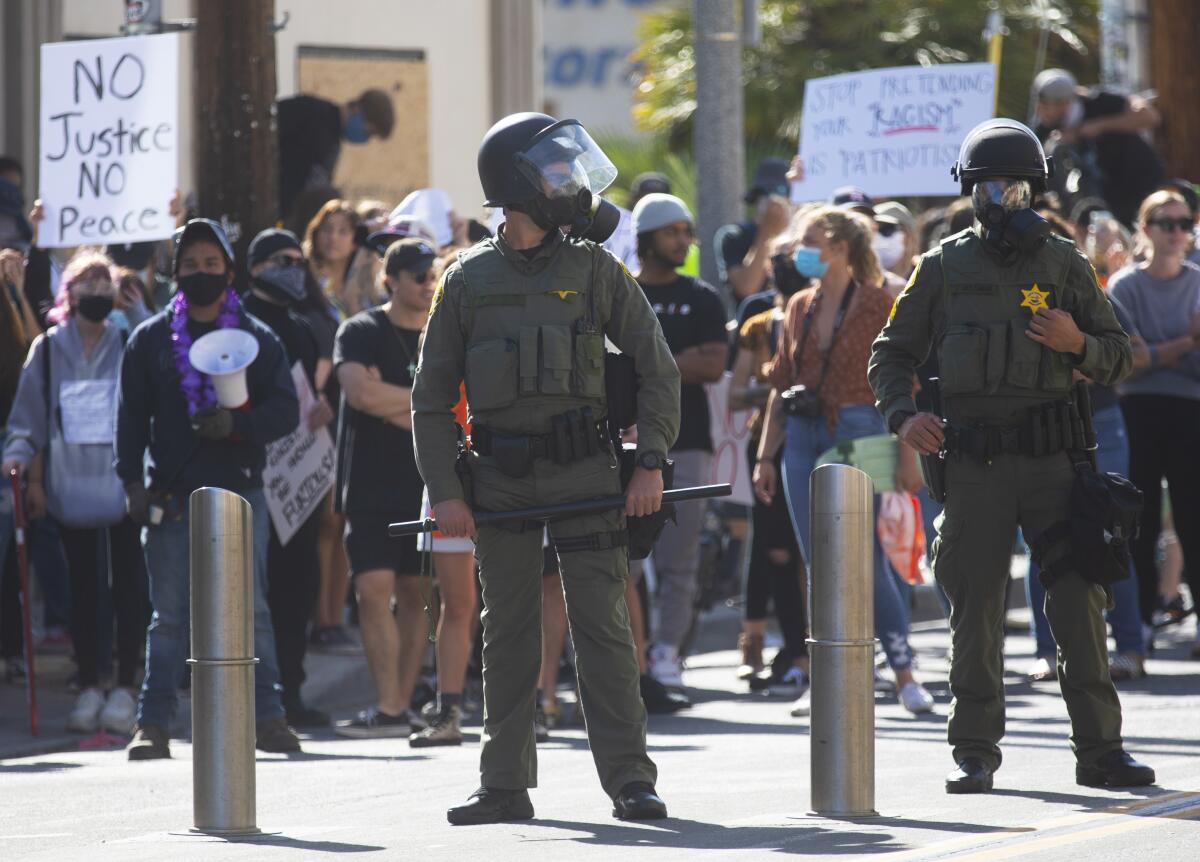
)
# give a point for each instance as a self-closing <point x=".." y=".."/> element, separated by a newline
<point x="568" y="171"/>
<point x="1003" y="209"/>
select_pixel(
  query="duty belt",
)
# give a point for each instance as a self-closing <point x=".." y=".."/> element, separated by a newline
<point x="1047" y="430"/>
<point x="576" y="435"/>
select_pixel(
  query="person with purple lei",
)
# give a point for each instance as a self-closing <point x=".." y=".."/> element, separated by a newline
<point x="168" y="408"/>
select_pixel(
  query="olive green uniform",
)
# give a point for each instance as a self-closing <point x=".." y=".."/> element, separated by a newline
<point x="526" y="333"/>
<point x="974" y="305"/>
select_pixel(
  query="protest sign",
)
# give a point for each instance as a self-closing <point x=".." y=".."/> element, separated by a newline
<point x="300" y="468"/>
<point x="890" y="131"/>
<point x="109" y="140"/>
<point x="730" y="434"/>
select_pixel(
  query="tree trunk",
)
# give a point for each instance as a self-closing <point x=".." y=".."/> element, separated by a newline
<point x="1174" y="35"/>
<point x="237" y="157"/>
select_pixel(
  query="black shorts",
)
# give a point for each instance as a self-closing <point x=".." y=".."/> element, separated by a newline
<point x="369" y="547"/>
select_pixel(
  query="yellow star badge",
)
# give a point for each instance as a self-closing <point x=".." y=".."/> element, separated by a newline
<point x="1035" y="299"/>
<point x="563" y="294"/>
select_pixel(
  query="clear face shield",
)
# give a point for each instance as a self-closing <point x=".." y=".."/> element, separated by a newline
<point x="1010" y="194"/>
<point x="564" y="160"/>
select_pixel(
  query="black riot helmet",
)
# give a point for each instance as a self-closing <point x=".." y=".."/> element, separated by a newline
<point x="1002" y="148"/>
<point x="550" y="169"/>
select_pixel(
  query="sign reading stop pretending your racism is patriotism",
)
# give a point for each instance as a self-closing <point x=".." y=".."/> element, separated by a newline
<point x="892" y="131"/>
<point x="109" y="140"/>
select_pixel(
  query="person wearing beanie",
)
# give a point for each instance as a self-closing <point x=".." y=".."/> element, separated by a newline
<point x="693" y="320"/>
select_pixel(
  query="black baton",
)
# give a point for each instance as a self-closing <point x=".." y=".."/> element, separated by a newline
<point x="563" y="510"/>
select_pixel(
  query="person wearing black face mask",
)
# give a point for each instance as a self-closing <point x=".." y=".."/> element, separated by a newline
<point x="167" y="406"/>
<point x="277" y="276"/>
<point x="64" y="453"/>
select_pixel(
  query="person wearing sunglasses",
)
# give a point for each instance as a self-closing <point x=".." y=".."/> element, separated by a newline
<point x="1161" y="400"/>
<point x="277" y="275"/>
<point x="375" y="358"/>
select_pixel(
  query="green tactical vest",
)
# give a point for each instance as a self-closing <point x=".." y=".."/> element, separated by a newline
<point x="534" y="347"/>
<point x="984" y="349"/>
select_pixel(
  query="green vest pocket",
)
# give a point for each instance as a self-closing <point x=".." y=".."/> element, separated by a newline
<point x="1024" y="355"/>
<point x="491" y="374"/>
<point x="589" y="365"/>
<point x="556" y="360"/>
<point x="962" y="360"/>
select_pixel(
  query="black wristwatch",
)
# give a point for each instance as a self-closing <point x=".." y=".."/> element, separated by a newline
<point x="651" y="461"/>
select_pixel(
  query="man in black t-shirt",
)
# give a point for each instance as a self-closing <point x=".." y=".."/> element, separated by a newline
<point x="277" y="273"/>
<point x="693" y="321"/>
<point x="743" y="256"/>
<point x="376" y="358"/>
<point x="1106" y="129"/>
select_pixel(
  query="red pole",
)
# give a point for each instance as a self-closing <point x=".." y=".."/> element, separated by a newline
<point x="26" y="598"/>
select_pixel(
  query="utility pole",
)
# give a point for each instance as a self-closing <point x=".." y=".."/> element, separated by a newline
<point x="718" y="130"/>
<point x="237" y="154"/>
<point x="1174" y="31"/>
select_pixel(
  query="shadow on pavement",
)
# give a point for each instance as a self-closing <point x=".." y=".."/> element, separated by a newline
<point x="268" y="840"/>
<point x="1094" y="803"/>
<point x="38" y="766"/>
<point x="695" y="835"/>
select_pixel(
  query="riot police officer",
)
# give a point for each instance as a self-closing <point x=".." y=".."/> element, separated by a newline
<point x="522" y="318"/>
<point x="1013" y="312"/>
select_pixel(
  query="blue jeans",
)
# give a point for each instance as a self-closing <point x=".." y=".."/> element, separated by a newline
<point x="806" y="440"/>
<point x="1112" y="456"/>
<point x="168" y="640"/>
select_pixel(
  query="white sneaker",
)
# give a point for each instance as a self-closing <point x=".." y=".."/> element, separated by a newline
<point x="915" y="698"/>
<point x="803" y="704"/>
<point x="85" y="715"/>
<point x="119" y="713"/>
<point x="665" y="665"/>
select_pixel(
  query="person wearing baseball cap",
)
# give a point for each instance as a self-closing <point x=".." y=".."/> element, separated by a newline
<point x="854" y="199"/>
<point x="168" y="407"/>
<point x="895" y="240"/>
<point x="278" y="273"/>
<point x="375" y="357"/>
<point x="743" y="255"/>
<point x="1106" y="126"/>
<point x="693" y="319"/>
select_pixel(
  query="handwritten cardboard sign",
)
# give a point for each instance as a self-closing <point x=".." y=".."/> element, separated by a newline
<point x="300" y="468"/>
<point x="109" y="140"/>
<point x="890" y="131"/>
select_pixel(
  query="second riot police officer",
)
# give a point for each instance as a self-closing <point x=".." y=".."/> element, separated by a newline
<point x="1013" y="313"/>
<point x="522" y="319"/>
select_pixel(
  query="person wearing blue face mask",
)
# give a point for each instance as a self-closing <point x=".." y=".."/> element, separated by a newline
<point x="311" y="131"/>
<point x="821" y="396"/>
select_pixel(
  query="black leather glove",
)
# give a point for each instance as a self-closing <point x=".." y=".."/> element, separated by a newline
<point x="214" y="423"/>
<point x="137" y="503"/>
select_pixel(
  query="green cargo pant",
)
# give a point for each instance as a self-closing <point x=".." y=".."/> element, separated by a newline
<point x="984" y="505"/>
<point x="510" y="565"/>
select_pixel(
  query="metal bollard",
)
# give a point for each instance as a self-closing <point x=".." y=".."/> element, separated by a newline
<point x="222" y="601"/>
<point x="842" y="642"/>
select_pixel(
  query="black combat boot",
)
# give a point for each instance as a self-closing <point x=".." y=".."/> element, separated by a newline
<point x="492" y="805"/>
<point x="1115" y="769"/>
<point x="972" y="776"/>
<point x="638" y="801"/>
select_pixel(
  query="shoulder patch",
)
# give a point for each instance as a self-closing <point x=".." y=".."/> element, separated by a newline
<point x="912" y="279"/>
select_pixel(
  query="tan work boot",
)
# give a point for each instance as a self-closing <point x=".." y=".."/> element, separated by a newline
<point x="149" y="743"/>
<point x="751" y="647"/>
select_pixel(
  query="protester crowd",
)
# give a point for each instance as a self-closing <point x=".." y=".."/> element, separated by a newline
<point x="94" y="361"/>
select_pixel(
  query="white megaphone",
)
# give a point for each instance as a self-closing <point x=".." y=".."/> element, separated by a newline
<point x="224" y="356"/>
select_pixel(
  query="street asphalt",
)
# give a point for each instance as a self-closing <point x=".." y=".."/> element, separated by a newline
<point x="734" y="771"/>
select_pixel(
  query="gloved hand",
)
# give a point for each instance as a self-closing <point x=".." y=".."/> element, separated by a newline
<point x="214" y="423"/>
<point x="137" y="503"/>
